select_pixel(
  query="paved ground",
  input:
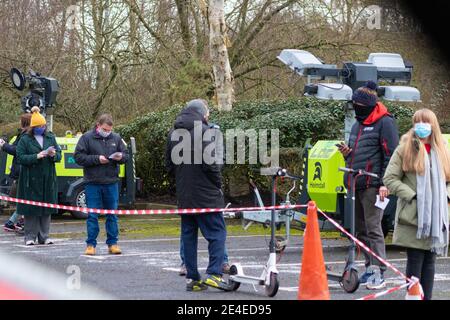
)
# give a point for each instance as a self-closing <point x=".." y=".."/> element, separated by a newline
<point x="148" y="268"/>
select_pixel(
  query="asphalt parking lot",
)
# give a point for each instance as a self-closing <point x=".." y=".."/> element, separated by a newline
<point x="148" y="267"/>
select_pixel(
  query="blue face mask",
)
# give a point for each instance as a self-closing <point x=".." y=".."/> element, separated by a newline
<point x="422" y="130"/>
<point x="39" y="131"/>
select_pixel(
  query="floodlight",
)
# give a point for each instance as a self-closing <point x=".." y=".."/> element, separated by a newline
<point x="18" y="79"/>
<point x="400" y="93"/>
<point x="387" y="61"/>
<point x="300" y="60"/>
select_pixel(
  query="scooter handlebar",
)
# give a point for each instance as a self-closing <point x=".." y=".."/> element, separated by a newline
<point x="279" y="172"/>
<point x="370" y="174"/>
<point x="285" y="174"/>
<point x="346" y="170"/>
<point x="359" y="172"/>
<point x="290" y="176"/>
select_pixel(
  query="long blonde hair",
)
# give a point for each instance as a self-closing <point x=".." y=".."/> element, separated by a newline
<point x="414" y="150"/>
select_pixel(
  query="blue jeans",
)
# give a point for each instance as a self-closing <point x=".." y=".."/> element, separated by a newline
<point x="102" y="196"/>
<point x="14" y="217"/>
<point x="225" y="253"/>
<point x="212" y="226"/>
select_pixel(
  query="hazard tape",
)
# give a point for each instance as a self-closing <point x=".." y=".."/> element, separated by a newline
<point x="147" y="211"/>
<point x="362" y="245"/>
<point x="367" y="249"/>
<point x="385" y="292"/>
<point x="215" y="210"/>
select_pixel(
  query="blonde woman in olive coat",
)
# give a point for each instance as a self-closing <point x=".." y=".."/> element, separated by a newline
<point x="419" y="175"/>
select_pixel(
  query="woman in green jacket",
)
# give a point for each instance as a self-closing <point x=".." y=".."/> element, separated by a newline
<point x="419" y="175"/>
<point x="37" y="153"/>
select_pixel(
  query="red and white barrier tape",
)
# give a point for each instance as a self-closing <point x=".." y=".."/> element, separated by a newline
<point x="146" y="211"/>
<point x="367" y="249"/>
<point x="210" y="210"/>
<point x="385" y="292"/>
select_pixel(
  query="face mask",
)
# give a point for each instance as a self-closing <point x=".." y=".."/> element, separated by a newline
<point x="362" y="112"/>
<point x="39" y="131"/>
<point x="103" y="133"/>
<point x="422" y="130"/>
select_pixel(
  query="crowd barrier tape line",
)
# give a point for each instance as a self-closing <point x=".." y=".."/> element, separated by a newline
<point x="216" y="210"/>
<point x="385" y="292"/>
<point x="362" y="245"/>
<point x="147" y="211"/>
<point x="367" y="249"/>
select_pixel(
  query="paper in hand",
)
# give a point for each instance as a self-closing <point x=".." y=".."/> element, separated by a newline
<point x="51" y="148"/>
<point x="381" y="204"/>
<point x="115" y="155"/>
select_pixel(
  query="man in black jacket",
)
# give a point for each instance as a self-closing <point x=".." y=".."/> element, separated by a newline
<point x="373" y="139"/>
<point x="198" y="185"/>
<point x="100" y="152"/>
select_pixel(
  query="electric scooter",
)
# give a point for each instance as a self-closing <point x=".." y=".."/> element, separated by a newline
<point x="269" y="276"/>
<point x="349" y="279"/>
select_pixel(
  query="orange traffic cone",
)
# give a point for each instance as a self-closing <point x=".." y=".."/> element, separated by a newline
<point x="313" y="283"/>
<point x="414" y="291"/>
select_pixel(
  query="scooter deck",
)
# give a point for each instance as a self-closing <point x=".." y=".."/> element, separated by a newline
<point x="334" y="276"/>
<point x="247" y="279"/>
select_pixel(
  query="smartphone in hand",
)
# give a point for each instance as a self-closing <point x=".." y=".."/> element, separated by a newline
<point x="340" y="145"/>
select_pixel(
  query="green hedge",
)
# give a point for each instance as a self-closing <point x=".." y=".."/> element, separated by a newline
<point x="297" y="121"/>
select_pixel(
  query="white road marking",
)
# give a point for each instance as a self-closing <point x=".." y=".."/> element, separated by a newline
<point x="97" y="257"/>
<point x="57" y="242"/>
<point x="68" y="242"/>
<point x="7" y="234"/>
<point x="178" y="269"/>
<point x="199" y="251"/>
<point x="176" y="253"/>
<point x="26" y="251"/>
<point x="6" y="241"/>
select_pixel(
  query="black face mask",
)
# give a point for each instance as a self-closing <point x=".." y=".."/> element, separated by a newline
<point x="362" y="112"/>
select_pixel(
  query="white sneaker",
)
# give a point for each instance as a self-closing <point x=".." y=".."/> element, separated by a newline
<point x="376" y="280"/>
<point x="46" y="242"/>
<point x="29" y="243"/>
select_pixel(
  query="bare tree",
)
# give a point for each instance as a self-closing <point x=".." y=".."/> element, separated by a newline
<point x="130" y="57"/>
<point x="223" y="78"/>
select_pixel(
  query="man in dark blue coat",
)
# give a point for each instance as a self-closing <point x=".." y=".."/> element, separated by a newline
<point x="198" y="185"/>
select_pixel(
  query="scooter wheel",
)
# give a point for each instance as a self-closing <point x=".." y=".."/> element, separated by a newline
<point x="350" y="281"/>
<point x="233" y="285"/>
<point x="233" y="270"/>
<point x="272" y="288"/>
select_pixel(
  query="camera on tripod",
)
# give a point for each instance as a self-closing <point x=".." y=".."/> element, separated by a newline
<point x="44" y="89"/>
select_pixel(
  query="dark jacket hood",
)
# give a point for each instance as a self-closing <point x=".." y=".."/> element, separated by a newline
<point x="186" y="119"/>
